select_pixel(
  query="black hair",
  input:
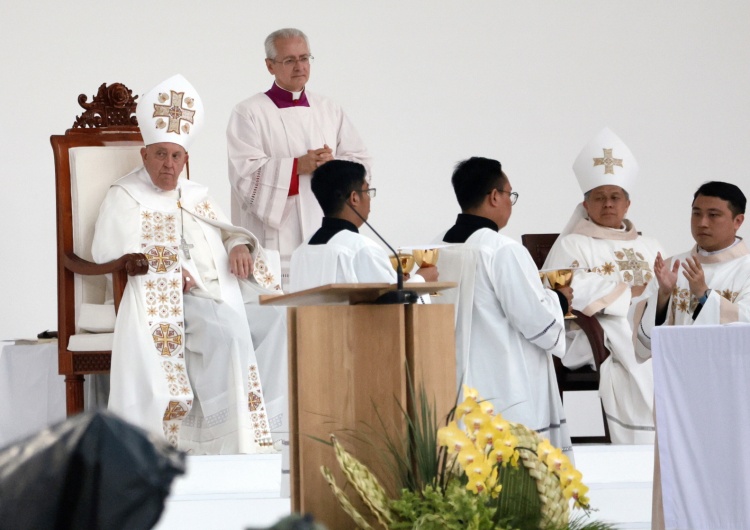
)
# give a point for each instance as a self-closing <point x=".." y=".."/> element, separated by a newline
<point x="474" y="178"/>
<point x="728" y="192"/>
<point x="334" y="181"/>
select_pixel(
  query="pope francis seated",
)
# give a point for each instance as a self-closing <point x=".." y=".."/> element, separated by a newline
<point x="184" y="364"/>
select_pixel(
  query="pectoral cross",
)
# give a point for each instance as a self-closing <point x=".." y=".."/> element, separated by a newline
<point x="185" y="247"/>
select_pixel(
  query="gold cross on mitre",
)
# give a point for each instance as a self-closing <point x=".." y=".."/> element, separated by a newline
<point x="608" y="161"/>
<point x="174" y="111"/>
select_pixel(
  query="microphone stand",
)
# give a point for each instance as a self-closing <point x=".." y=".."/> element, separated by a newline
<point x="400" y="295"/>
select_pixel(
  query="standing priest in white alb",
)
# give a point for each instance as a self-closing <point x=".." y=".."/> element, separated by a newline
<point x="183" y="362"/>
<point x="508" y="325"/>
<point x="711" y="283"/>
<point x="275" y="140"/>
<point x="614" y="271"/>
<point x="337" y="252"/>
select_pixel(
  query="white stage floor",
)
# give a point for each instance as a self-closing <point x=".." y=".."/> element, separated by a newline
<point x="242" y="491"/>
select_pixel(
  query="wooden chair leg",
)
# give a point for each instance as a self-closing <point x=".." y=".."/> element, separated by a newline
<point x="74" y="394"/>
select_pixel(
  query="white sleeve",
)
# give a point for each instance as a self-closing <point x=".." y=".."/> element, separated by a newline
<point x="118" y="228"/>
<point x="259" y="181"/>
<point x="372" y="265"/>
<point x="533" y="310"/>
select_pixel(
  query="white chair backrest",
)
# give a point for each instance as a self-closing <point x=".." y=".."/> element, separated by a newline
<point x="92" y="172"/>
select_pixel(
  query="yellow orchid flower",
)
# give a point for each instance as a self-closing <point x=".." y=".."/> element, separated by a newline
<point x="476" y="420"/>
<point x="492" y="486"/>
<point x="569" y="476"/>
<point x="504" y="450"/>
<point x="500" y="425"/>
<point x="481" y="466"/>
<point x="577" y="491"/>
<point x="544" y="449"/>
<point x="471" y="393"/>
<point x="468" y="456"/>
<point x="454" y="438"/>
<point x="555" y="459"/>
<point x="486" y="436"/>
<point x="465" y="407"/>
<point x="487" y="407"/>
<point x="476" y="484"/>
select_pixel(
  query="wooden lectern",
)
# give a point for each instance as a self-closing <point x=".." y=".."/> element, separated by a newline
<point x="348" y="376"/>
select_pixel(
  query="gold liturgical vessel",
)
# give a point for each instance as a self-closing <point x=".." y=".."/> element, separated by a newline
<point x="556" y="279"/>
<point x="407" y="262"/>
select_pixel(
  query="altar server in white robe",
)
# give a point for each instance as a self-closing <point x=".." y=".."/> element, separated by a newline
<point x="183" y="362"/>
<point x="337" y="252"/>
<point x="509" y="325"/>
<point x="710" y="284"/>
<point x="613" y="274"/>
<point x="276" y="139"/>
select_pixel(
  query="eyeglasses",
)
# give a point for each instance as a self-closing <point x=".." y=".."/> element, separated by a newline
<point x="513" y="195"/>
<point x="291" y="61"/>
<point x="371" y="192"/>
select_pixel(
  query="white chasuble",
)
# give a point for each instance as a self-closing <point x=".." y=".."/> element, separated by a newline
<point x="508" y="327"/>
<point x="183" y="366"/>
<point x="611" y="262"/>
<point x="727" y="274"/>
<point x="263" y="142"/>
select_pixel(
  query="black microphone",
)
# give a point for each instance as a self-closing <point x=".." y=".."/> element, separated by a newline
<point x="400" y="295"/>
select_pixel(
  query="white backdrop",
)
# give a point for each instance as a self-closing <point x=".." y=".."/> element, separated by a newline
<point x="427" y="83"/>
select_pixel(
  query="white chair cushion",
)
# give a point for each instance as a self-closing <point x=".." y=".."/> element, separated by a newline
<point x="91" y="342"/>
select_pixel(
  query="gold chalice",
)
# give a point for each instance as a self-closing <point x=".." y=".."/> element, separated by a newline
<point x="407" y="262"/>
<point x="559" y="278"/>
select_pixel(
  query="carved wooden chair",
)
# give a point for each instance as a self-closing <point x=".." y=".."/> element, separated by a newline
<point x="584" y="378"/>
<point x="103" y="145"/>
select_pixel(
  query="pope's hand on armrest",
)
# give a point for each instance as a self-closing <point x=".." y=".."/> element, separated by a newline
<point x="240" y="261"/>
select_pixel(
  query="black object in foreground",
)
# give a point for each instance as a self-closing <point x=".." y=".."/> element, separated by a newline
<point x="91" y="471"/>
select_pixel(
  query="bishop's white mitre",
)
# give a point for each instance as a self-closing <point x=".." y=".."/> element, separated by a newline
<point x="606" y="160"/>
<point x="172" y="111"/>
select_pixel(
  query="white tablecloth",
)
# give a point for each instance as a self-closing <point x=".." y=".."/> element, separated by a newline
<point x="701" y="376"/>
<point x="32" y="393"/>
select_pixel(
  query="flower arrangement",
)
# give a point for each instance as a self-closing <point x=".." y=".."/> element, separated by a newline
<point x="487" y="473"/>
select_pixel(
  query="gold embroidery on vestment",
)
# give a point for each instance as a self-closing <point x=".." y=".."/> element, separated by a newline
<point x="608" y="161"/>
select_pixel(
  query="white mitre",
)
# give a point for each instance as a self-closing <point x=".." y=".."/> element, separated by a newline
<point x="172" y="111"/>
<point x="606" y="160"/>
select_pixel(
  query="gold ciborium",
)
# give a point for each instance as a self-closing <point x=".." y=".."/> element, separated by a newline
<point x="425" y="257"/>
<point x="407" y="262"/>
<point x="559" y="278"/>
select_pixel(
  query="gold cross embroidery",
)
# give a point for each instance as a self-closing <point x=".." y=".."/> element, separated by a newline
<point x="632" y="261"/>
<point x="608" y="162"/>
<point x="175" y="112"/>
<point x="175" y="411"/>
<point x="161" y="258"/>
<point x="166" y="339"/>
